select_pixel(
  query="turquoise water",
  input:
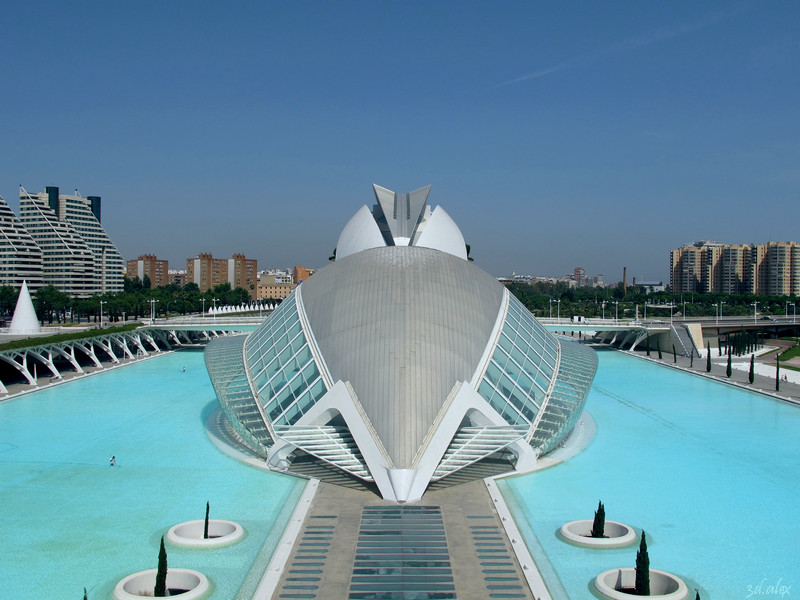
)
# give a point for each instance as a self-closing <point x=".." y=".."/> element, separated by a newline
<point x="710" y="472"/>
<point x="71" y="521"/>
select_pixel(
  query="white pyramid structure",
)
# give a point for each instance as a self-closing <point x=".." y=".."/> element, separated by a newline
<point x="24" y="319"/>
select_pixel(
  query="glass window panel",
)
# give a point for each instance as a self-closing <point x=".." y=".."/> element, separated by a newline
<point x="318" y="389"/>
<point x="485" y="390"/>
<point x="505" y="342"/>
<point x="525" y="382"/>
<point x="310" y="373"/>
<point x="512" y="370"/>
<point x="505" y="386"/>
<point x="304" y="355"/>
<point x="493" y="373"/>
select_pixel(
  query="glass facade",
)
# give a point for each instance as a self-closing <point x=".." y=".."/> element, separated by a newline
<point x="519" y="373"/>
<point x="281" y="367"/>
<point x="575" y="374"/>
<point x="522" y="365"/>
<point x="225" y="365"/>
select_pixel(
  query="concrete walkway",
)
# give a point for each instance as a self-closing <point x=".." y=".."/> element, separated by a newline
<point x="325" y="551"/>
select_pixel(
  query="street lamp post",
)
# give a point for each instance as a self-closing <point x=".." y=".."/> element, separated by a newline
<point x="101" y="312"/>
<point x="720" y="310"/>
<point x="203" y="310"/>
<point x="604" y="310"/>
<point x="616" y="312"/>
<point x="559" y="310"/>
<point x="214" y="300"/>
<point x="755" y="310"/>
<point x="794" y="312"/>
<point x="152" y="302"/>
<point x="123" y="317"/>
<point x="716" y="313"/>
<point x="551" y="308"/>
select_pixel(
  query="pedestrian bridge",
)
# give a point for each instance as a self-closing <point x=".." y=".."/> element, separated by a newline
<point x="34" y="366"/>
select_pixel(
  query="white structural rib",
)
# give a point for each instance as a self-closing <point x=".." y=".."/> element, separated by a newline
<point x="332" y="444"/>
<point x="472" y="444"/>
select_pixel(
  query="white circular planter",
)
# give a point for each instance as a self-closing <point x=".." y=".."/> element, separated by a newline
<point x="663" y="585"/>
<point x="220" y="533"/>
<point x="579" y="533"/>
<point x="141" y="584"/>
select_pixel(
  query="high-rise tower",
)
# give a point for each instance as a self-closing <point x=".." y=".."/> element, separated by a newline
<point x="20" y="256"/>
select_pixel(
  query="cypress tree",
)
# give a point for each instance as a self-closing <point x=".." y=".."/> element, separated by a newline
<point x="648" y="345"/>
<point x="778" y="373"/>
<point x="160" y="590"/>
<point x="691" y="359"/>
<point x="697" y="595"/>
<point x="599" y="524"/>
<point x="205" y="526"/>
<point x="752" y="375"/>
<point x="708" y="361"/>
<point x="85" y="594"/>
<point x="674" y="354"/>
<point x="658" y="347"/>
<point x="729" y="370"/>
<point x="642" y="585"/>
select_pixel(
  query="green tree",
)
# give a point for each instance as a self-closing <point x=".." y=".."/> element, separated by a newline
<point x="160" y="589"/>
<point x="205" y="526"/>
<point x="658" y="347"/>
<point x="708" y="361"/>
<point x="777" y="373"/>
<point x="729" y="370"/>
<point x="8" y="299"/>
<point x="599" y="523"/>
<point x="751" y="377"/>
<point x="674" y="354"/>
<point x="642" y="584"/>
<point x="50" y="303"/>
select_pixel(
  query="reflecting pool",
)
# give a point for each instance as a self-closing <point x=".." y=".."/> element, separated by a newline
<point x="710" y="472"/>
<point x="69" y="520"/>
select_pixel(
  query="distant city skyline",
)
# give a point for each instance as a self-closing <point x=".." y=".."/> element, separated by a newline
<point x="602" y="135"/>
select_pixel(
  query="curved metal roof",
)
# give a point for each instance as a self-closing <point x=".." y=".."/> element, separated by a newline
<point x="402" y="324"/>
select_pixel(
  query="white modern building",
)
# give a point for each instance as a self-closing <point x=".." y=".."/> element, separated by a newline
<point x="401" y="363"/>
<point x="78" y="257"/>
<point x="20" y="256"/>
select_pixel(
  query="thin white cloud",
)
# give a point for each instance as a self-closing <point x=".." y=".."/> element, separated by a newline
<point x="646" y="39"/>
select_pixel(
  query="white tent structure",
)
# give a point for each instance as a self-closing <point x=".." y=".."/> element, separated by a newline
<point x="24" y="319"/>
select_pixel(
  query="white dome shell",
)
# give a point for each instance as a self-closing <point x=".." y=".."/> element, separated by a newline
<point x="442" y="233"/>
<point x="360" y="233"/>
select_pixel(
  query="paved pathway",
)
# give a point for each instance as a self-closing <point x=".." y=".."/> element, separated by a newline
<point x="322" y="561"/>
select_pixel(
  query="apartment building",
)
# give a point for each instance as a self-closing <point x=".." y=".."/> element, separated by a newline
<point x="78" y="257"/>
<point x="772" y="268"/>
<point x="20" y="256"/>
<point x="207" y="272"/>
<point x="156" y="270"/>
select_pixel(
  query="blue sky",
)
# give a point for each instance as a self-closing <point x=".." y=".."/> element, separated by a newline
<point x="556" y="134"/>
